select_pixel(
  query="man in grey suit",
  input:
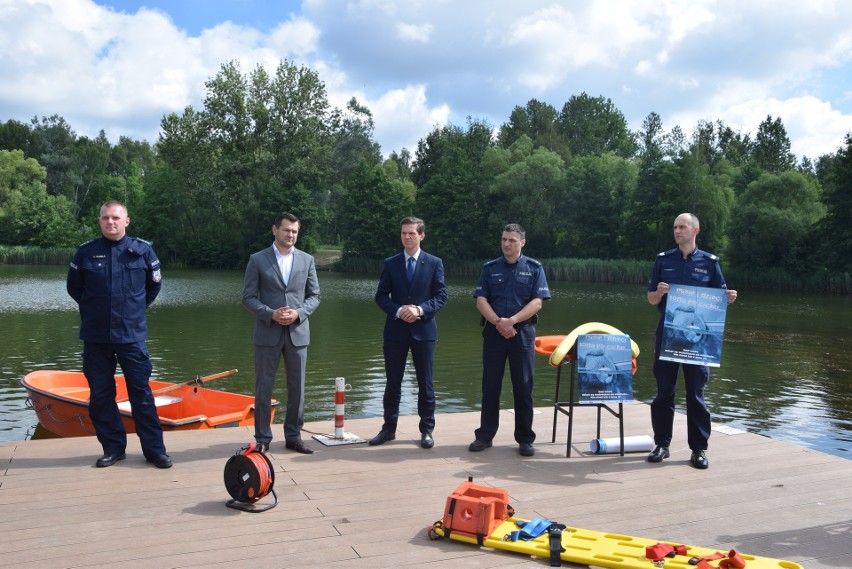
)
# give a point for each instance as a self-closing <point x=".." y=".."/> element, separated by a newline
<point x="281" y="289"/>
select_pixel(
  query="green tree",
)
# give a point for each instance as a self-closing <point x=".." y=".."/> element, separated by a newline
<point x="771" y="150"/>
<point x="28" y="215"/>
<point x="90" y="162"/>
<point x="650" y="204"/>
<point x="774" y="216"/>
<point x="353" y="145"/>
<point x="373" y="207"/>
<point x="448" y="173"/>
<point x="402" y="164"/>
<point x="835" y="231"/>
<point x="735" y="147"/>
<point x="53" y="147"/>
<point x="594" y="208"/>
<point x="697" y="190"/>
<point x="537" y="121"/>
<point x="15" y="135"/>
<point x="262" y="144"/>
<point x="528" y="192"/>
<point x="164" y="217"/>
<point x="594" y="126"/>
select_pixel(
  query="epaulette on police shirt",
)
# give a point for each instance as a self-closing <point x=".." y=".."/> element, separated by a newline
<point x="532" y="261"/>
<point x="89" y="242"/>
<point x="492" y="261"/>
<point x="138" y="246"/>
<point x="711" y="256"/>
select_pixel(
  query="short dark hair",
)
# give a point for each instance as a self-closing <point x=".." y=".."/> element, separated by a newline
<point x="517" y="228"/>
<point x="110" y="203"/>
<point x="288" y="216"/>
<point x="421" y="227"/>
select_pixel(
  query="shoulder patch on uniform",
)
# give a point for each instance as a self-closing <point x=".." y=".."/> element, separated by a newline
<point x="707" y="254"/>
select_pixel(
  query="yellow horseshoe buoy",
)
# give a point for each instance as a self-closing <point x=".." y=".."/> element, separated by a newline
<point x="559" y="353"/>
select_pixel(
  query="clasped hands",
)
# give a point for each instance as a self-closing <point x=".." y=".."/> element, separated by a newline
<point x="285" y="316"/>
<point x="506" y="328"/>
<point x="409" y="313"/>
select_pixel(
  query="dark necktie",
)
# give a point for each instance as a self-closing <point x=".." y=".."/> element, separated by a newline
<point x="410" y="268"/>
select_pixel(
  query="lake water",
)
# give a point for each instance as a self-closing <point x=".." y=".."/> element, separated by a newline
<point x="786" y="367"/>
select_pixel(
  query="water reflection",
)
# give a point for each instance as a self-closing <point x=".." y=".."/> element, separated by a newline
<point x="785" y="361"/>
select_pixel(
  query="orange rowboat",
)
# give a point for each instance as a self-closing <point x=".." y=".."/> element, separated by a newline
<point x="61" y="402"/>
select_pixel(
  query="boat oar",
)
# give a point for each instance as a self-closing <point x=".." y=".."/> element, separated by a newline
<point x="197" y="381"/>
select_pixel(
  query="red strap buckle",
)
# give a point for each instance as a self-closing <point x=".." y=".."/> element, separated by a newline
<point x="660" y="551"/>
<point x="731" y="561"/>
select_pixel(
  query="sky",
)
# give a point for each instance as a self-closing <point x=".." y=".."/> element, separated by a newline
<point x="121" y="65"/>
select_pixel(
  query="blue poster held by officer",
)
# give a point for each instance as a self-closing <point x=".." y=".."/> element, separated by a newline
<point x="694" y="325"/>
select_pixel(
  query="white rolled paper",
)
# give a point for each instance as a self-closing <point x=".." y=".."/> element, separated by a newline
<point x="638" y="443"/>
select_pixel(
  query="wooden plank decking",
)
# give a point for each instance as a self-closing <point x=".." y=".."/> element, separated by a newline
<point x="359" y="506"/>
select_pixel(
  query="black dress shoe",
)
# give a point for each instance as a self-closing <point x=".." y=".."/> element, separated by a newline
<point x="261" y="447"/>
<point x="426" y="440"/>
<point x="479" y="445"/>
<point x="658" y="454"/>
<point x="526" y="449"/>
<point x="299" y="446"/>
<point x="383" y="437"/>
<point x="109" y="459"/>
<point x="699" y="460"/>
<point x="160" y="460"/>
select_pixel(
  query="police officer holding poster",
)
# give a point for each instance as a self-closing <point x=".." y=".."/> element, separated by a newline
<point x="684" y="265"/>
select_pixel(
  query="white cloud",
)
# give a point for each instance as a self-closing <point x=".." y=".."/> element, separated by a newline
<point x="418" y="63"/>
<point x="811" y="123"/>
<point x="403" y="117"/>
<point x="420" y="33"/>
<point x="298" y="36"/>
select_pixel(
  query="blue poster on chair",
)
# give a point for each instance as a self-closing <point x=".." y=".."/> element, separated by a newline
<point x="604" y="368"/>
<point x="695" y="323"/>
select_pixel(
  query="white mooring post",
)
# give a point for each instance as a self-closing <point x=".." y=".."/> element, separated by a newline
<point x="340" y="436"/>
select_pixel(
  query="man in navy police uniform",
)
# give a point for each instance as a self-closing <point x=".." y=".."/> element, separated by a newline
<point x="685" y="265"/>
<point x="510" y="292"/>
<point x="114" y="279"/>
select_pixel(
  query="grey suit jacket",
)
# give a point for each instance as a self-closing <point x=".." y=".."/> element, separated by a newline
<point x="264" y="292"/>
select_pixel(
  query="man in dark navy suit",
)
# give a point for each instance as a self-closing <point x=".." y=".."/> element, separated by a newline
<point x="411" y="290"/>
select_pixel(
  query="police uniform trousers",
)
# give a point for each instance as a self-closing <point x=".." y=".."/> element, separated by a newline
<point x="266" y="361"/>
<point x="520" y="351"/>
<point x="396" y="355"/>
<point x="99" y="367"/>
<point x="663" y="406"/>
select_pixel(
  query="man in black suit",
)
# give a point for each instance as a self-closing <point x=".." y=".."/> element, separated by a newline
<point x="411" y="290"/>
<point x="281" y="290"/>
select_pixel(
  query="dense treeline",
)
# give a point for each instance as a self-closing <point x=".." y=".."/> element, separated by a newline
<point x="578" y="178"/>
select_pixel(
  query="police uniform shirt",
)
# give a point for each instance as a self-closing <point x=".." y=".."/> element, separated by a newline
<point x="114" y="282"/>
<point x="699" y="268"/>
<point x="510" y="287"/>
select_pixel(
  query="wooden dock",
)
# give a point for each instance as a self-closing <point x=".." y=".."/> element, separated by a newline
<point x="360" y="506"/>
